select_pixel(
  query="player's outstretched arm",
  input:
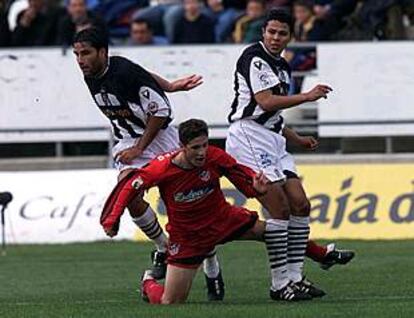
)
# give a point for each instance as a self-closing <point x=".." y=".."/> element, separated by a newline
<point x="306" y="142"/>
<point x="270" y="102"/>
<point x="182" y="84"/>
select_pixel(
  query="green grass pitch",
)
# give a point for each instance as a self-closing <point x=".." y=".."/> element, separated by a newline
<point x="101" y="280"/>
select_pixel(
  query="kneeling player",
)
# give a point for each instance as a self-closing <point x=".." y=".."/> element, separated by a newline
<point x="199" y="216"/>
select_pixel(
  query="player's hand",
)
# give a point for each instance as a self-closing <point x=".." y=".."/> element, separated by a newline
<point x="127" y="155"/>
<point x="318" y="92"/>
<point x="186" y="83"/>
<point x="308" y="142"/>
<point x="260" y="183"/>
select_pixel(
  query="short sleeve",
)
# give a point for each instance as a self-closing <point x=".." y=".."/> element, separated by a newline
<point x="261" y="75"/>
<point x="153" y="103"/>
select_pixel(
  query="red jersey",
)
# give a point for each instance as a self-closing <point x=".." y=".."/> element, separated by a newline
<point x="194" y="200"/>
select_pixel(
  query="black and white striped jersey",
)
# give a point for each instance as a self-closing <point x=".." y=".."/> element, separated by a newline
<point x="128" y="94"/>
<point x="258" y="70"/>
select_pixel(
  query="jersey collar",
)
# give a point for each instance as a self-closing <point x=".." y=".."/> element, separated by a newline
<point x="277" y="57"/>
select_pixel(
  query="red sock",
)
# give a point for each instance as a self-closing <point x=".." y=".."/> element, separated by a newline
<point x="154" y="291"/>
<point x="315" y="251"/>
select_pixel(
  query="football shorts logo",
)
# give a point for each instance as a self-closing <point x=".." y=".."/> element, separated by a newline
<point x="265" y="160"/>
<point x="204" y="175"/>
<point x="153" y="107"/>
<point x="137" y="183"/>
<point x="174" y="248"/>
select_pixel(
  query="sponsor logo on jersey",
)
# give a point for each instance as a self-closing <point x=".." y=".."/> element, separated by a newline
<point x="126" y="113"/>
<point x="204" y="175"/>
<point x="193" y="194"/>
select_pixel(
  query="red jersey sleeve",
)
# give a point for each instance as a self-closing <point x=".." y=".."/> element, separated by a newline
<point x="126" y="190"/>
<point x="240" y="175"/>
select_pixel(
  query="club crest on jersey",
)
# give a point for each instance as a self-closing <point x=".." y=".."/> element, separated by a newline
<point x="258" y="65"/>
<point x="153" y="107"/>
<point x="137" y="183"/>
<point x="204" y="175"/>
<point x="264" y="79"/>
<point x="174" y="248"/>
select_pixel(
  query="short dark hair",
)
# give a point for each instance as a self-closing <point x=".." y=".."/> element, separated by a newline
<point x="304" y="3"/>
<point x="280" y="15"/>
<point x="190" y="129"/>
<point x="142" y="21"/>
<point x="96" y="37"/>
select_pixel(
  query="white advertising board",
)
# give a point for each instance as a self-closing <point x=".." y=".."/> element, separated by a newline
<point x="372" y="89"/>
<point x="59" y="206"/>
<point x="43" y="96"/>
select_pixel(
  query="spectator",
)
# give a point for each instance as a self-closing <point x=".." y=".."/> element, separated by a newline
<point x="162" y="15"/>
<point x="141" y="34"/>
<point x="194" y="26"/>
<point x="76" y="19"/>
<point x="223" y="18"/>
<point x="36" y="25"/>
<point x="248" y="27"/>
<point x="4" y="25"/>
<point x="307" y="27"/>
<point x="284" y="4"/>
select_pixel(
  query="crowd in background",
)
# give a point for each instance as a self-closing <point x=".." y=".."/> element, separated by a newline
<point x="160" y="22"/>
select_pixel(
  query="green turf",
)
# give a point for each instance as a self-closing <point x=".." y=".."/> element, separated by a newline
<point x="100" y="280"/>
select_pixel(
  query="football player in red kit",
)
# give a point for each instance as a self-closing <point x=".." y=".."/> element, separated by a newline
<point x="199" y="217"/>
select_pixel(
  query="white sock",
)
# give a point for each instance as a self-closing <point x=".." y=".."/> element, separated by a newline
<point x="211" y="265"/>
<point x="148" y="223"/>
<point x="297" y="241"/>
<point x="275" y="237"/>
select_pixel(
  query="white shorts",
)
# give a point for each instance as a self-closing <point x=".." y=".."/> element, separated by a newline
<point x="165" y="141"/>
<point x="260" y="149"/>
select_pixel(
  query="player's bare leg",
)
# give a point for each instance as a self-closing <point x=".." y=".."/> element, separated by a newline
<point x="145" y="218"/>
<point x="177" y="286"/>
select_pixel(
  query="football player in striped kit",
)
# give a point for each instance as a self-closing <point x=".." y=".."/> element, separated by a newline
<point x="140" y="113"/>
<point x="256" y="138"/>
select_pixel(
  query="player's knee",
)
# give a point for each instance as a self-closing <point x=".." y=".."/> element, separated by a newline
<point x="302" y="208"/>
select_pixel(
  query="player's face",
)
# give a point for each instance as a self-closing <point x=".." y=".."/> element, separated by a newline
<point x="276" y="36"/>
<point x="196" y="151"/>
<point x="91" y="61"/>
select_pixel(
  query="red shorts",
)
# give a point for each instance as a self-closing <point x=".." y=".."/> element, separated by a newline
<point x="235" y="223"/>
